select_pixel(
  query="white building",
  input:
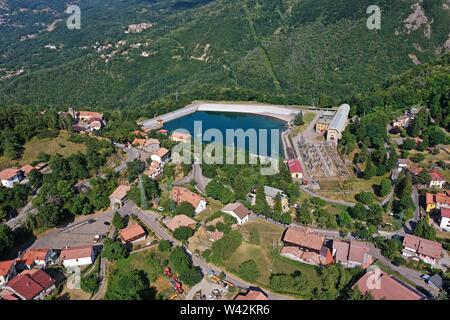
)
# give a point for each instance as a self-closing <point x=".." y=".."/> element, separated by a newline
<point x="238" y="211"/>
<point x="162" y="155"/>
<point x="77" y="256"/>
<point x="11" y="176"/>
<point x="338" y="124"/>
<point x="7" y="271"/>
<point x="445" y="219"/>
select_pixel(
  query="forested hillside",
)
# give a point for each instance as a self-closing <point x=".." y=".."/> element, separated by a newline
<point x="284" y="51"/>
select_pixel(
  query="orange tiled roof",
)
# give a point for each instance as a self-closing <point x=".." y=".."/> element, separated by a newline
<point x="121" y="192"/>
<point x="304" y="237"/>
<point x="76" y="253"/>
<point x="132" y="232"/>
<point x="9" y="173"/>
<point x="180" y="221"/>
<point x="32" y="255"/>
<point x="390" y="288"/>
<point x="5" y="266"/>
<point x="180" y="194"/>
<point x="426" y="247"/>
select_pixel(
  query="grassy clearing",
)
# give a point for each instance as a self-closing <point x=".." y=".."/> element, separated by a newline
<point x="264" y="253"/>
<point x="50" y="146"/>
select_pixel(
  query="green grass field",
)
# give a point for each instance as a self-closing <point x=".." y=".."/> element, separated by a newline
<point x="265" y="254"/>
<point x="53" y="146"/>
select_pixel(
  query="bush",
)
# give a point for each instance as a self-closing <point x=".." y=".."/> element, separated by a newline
<point x="113" y="250"/>
<point x="365" y="197"/>
<point x="90" y="283"/>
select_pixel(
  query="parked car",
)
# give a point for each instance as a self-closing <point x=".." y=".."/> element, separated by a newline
<point x="107" y="223"/>
<point x="97" y="238"/>
<point x="90" y="221"/>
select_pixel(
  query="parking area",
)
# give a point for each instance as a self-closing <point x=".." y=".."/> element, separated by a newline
<point x="78" y="233"/>
<point x="207" y="290"/>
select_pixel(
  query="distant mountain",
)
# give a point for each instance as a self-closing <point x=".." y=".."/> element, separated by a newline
<point x="129" y="52"/>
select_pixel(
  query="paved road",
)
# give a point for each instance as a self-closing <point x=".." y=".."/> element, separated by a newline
<point x="338" y="202"/>
<point x="410" y="274"/>
<point x="200" y="180"/>
<point x="151" y="220"/>
<point x="24" y="212"/>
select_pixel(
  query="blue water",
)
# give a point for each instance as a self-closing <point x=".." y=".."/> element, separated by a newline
<point x="226" y="120"/>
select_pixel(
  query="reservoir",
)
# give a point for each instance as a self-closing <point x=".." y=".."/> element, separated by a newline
<point x="230" y="120"/>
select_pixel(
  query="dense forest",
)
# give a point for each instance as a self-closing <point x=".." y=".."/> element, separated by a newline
<point x="283" y="51"/>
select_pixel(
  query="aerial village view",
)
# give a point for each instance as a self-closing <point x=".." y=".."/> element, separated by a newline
<point x="99" y="203"/>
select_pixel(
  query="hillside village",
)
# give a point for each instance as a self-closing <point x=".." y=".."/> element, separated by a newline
<point x="204" y="238"/>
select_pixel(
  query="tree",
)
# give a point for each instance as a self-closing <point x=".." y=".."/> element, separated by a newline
<point x="425" y="230"/>
<point x="370" y="171"/>
<point x="424" y="177"/>
<point x="249" y="271"/>
<point x="408" y="144"/>
<point x="35" y="178"/>
<point x="216" y="190"/>
<point x="129" y="286"/>
<point x="261" y="205"/>
<point x="113" y="250"/>
<point x="164" y="245"/>
<point x="134" y="169"/>
<point x="90" y="283"/>
<point x="183" y="233"/>
<point x="185" y="208"/>
<point x="358" y="212"/>
<point x="299" y="119"/>
<point x="304" y="214"/>
<point x="118" y="221"/>
<point x="191" y="276"/>
<point x="385" y="187"/>
<point x="344" y="220"/>
<point x="6" y="239"/>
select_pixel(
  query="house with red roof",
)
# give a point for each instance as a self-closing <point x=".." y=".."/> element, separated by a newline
<point x="445" y="219"/>
<point x="352" y="254"/>
<point x="437" y="179"/>
<point x="146" y="145"/>
<point x="31" y="285"/>
<point x="382" y="286"/>
<point x="11" y="176"/>
<point x="437" y="201"/>
<point x="77" y="256"/>
<point x="252" y="295"/>
<point x="421" y="249"/>
<point x="132" y="233"/>
<point x="304" y="245"/>
<point x="295" y="168"/>
<point x="36" y="257"/>
<point x="181" y="194"/>
<point x="7" y="271"/>
<point x="162" y="155"/>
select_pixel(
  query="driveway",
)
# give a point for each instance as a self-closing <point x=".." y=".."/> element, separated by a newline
<point x="78" y="233"/>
